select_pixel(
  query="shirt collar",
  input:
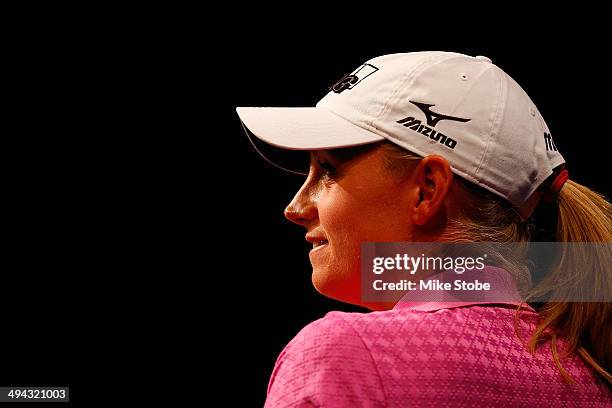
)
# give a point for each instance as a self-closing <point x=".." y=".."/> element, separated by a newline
<point x="503" y="292"/>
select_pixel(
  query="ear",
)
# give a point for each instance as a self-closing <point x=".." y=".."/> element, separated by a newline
<point x="433" y="179"/>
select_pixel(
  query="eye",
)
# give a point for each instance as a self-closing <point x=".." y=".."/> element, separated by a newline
<point x="328" y="169"/>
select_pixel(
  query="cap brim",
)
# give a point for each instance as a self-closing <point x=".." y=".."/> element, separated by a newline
<point x="304" y="128"/>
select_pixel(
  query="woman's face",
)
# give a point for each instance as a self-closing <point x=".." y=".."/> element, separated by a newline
<point x="345" y="202"/>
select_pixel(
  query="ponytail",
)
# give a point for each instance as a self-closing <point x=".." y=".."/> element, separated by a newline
<point x="582" y="216"/>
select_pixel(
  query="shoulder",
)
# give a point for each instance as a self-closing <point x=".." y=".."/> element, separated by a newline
<point x="333" y="328"/>
<point x="326" y="362"/>
<point x="327" y="340"/>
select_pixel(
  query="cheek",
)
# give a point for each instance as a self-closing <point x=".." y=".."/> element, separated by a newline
<point x="369" y="215"/>
<point x="336" y="270"/>
<point x="341" y="221"/>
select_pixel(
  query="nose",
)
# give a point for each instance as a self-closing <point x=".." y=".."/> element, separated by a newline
<point x="302" y="210"/>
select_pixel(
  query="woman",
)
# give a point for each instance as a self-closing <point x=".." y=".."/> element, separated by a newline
<point x="439" y="147"/>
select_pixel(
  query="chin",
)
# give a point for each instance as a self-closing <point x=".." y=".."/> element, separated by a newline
<point x="336" y="287"/>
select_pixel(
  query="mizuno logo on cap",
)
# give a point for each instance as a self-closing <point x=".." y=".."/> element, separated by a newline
<point x="432" y="117"/>
<point x="432" y="120"/>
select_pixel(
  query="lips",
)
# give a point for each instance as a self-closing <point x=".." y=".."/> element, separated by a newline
<point x="316" y="240"/>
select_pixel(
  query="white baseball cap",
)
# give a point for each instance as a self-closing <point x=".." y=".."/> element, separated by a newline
<point x="463" y="108"/>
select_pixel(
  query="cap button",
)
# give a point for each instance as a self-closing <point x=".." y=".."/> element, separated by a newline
<point x="483" y="58"/>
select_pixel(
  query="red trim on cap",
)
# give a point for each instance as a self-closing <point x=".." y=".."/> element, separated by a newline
<point x="555" y="187"/>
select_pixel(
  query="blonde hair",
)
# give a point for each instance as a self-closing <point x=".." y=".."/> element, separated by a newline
<point x="578" y="215"/>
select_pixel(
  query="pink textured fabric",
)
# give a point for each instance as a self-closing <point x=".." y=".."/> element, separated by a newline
<point x="428" y="355"/>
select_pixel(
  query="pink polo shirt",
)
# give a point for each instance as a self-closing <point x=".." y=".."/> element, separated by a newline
<point x="458" y="354"/>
